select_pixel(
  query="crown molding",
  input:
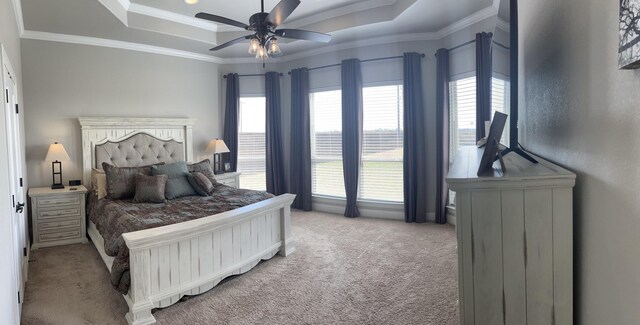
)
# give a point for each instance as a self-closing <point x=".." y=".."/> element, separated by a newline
<point x="474" y="18"/>
<point x="122" y="8"/>
<point x="172" y="16"/>
<point x="17" y="11"/>
<point x="391" y="39"/>
<point x="102" y="42"/>
<point x="341" y="11"/>
<point x="326" y="15"/>
<point x="504" y="25"/>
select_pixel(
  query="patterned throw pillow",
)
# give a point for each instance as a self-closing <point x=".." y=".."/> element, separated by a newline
<point x="200" y="183"/>
<point x="205" y="168"/>
<point x="150" y="189"/>
<point x="121" y="181"/>
<point x="177" y="182"/>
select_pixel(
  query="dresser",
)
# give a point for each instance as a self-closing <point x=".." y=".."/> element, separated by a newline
<point x="58" y="216"/>
<point x="515" y="241"/>
<point x="230" y="179"/>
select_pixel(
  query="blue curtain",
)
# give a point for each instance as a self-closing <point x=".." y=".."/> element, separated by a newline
<point x="275" y="167"/>
<point x="232" y="105"/>
<point x="484" y="72"/>
<point x="414" y="151"/>
<point x="351" y="132"/>
<point x="300" y="165"/>
<point x="442" y="134"/>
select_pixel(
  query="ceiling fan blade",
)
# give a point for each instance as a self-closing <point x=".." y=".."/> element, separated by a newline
<point x="231" y="42"/>
<point x="223" y="20"/>
<point x="303" y="35"/>
<point x="281" y="11"/>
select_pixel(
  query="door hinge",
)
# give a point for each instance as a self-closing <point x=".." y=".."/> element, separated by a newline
<point x="24" y="251"/>
<point x="19" y="301"/>
<point x="6" y="91"/>
<point x="17" y="109"/>
<point x="21" y="182"/>
<point x="13" y="200"/>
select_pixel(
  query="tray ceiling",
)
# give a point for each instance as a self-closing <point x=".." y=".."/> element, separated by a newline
<point x="169" y="24"/>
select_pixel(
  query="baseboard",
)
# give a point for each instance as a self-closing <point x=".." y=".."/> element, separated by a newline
<point x="370" y="209"/>
<point x="382" y="210"/>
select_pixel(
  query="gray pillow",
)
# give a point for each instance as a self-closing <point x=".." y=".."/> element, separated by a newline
<point x="150" y="189"/>
<point x="121" y="181"/>
<point x="203" y="167"/>
<point x="177" y="182"/>
<point x="200" y="183"/>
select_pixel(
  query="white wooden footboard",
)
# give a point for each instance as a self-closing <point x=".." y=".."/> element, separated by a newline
<point x="188" y="258"/>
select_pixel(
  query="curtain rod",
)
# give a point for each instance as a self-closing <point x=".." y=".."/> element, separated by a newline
<point x="250" y="75"/>
<point x="473" y="41"/>
<point x="363" y="61"/>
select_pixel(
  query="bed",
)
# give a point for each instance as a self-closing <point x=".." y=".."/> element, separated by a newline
<point x="190" y="257"/>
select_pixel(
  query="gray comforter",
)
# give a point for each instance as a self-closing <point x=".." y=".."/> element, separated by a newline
<point x="115" y="217"/>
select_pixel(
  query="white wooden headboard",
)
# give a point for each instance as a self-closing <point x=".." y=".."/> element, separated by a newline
<point x="99" y="130"/>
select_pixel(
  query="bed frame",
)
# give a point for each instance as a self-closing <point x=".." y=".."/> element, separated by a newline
<point x="188" y="258"/>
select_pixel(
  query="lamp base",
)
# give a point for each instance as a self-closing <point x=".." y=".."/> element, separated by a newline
<point x="57" y="186"/>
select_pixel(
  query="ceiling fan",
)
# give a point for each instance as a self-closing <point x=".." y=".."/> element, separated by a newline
<point x="263" y="42"/>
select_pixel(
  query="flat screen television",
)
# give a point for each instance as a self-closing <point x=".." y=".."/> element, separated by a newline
<point x="505" y="63"/>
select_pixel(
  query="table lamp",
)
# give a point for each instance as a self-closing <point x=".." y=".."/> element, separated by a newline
<point x="56" y="155"/>
<point x="216" y="147"/>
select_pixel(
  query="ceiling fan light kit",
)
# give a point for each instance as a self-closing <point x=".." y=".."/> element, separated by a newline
<point x="263" y="43"/>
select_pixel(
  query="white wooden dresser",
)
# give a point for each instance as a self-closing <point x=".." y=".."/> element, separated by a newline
<point x="230" y="179"/>
<point x="515" y="241"/>
<point x="58" y="216"/>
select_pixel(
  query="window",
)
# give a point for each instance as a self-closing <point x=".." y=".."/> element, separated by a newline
<point x="251" y="143"/>
<point x="326" y="143"/>
<point x="463" y="113"/>
<point x="500" y="101"/>
<point x="382" y="125"/>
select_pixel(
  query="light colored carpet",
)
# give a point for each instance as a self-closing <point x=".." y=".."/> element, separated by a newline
<point x="344" y="271"/>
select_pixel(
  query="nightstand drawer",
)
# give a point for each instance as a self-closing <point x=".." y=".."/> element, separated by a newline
<point x="67" y="234"/>
<point x="58" y="224"/>
<point x="58" y="200"/>
<point x="59" y="213"/>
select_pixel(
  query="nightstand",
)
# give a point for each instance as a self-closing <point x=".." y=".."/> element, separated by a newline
<point x="58" y="216"/>
<point x="230" y="179"/>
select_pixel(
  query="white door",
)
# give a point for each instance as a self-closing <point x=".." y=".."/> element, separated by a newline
<point x="14" y="146"/>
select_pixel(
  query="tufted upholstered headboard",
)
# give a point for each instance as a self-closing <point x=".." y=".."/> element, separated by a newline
<point x="128" y="142"/>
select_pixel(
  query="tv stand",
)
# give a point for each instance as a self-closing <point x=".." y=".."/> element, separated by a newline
<point x="515" y="241"/>
<point x="518" y="151"/>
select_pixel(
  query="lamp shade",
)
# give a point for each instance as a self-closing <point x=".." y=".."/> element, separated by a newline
<point x="217" y="146"/>
<point x="57" y="153"/>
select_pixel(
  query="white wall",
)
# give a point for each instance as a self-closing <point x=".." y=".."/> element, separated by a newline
<point x="579" y="110"/>
<point x="10" y="40"/>
<point x="66" y="81"/>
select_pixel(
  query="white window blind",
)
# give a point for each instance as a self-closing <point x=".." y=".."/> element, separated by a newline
<point x="326" y="143"/>
<point x="251" y="143"/>
<point x="500" y="101"/>
<point x="462" y="114"/>
<point x="381" y="170"/>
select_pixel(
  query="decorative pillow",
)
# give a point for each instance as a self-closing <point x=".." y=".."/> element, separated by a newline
<point x="200" y="183"/>
<point x="121" y="181"/>
<point x="205" y="168"/>
<point x="99" y="183"/>
<point x="177" y="182"/>
<point x="150" y="189"/>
